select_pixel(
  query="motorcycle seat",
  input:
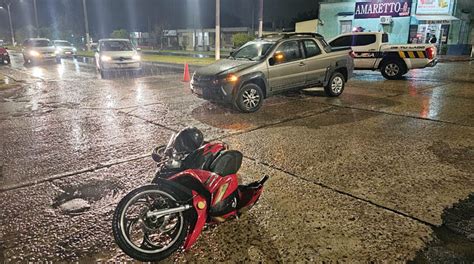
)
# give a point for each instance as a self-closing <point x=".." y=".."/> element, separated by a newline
<point x="227" y="163"/>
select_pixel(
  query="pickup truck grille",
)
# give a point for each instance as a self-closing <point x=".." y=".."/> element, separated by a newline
<point x="122" y="58"/>
<point x="202" y="79"/>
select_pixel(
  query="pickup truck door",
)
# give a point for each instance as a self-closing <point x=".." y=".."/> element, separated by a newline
<point x="316" y="62"/>
<point x="366" y="49"/>
<point x="287" y="67"/>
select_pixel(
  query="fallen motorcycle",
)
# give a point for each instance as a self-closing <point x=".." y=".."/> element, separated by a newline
<point x="196" y="183"/>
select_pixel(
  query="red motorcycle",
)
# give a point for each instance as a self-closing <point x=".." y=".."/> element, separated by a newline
<point x="196" y="183"/>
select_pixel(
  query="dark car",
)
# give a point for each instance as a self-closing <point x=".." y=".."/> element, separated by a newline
<point x="4" y="56"/>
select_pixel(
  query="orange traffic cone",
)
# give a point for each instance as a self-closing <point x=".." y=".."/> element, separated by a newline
<point x="187" y="77"/>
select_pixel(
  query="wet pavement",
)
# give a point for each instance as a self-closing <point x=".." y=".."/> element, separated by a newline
<point x="383" y="173"/>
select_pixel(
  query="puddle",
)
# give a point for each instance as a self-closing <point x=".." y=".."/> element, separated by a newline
<point x="461" y="158"/>
<point x="453" y="241"/>
<point x="78" y="199"/>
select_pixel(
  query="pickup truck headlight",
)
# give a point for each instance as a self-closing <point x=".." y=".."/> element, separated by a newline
<point x="34" y="53"/>
<point x="136" y="57"/>
<point x="232" y="78"/>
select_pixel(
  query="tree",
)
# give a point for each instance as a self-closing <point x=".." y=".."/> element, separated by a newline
<point x="120" y="34"/>
<point x="240" y="39"/>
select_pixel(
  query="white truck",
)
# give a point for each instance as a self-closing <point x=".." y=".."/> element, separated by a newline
<point x="372" y="52"/>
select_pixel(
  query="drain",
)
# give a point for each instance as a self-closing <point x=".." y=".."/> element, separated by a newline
<point x="76" y="200"/>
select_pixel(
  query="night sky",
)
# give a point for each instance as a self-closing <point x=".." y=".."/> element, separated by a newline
<point x="143" y="15"/>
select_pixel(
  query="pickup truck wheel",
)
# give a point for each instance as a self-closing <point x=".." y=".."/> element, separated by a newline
<point x="335" y="86"/>
<point x="249" y="99"/>
<point x="392" y="70"/>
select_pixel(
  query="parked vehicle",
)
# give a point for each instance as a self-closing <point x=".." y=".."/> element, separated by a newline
<point x="271" y="65"/>
<point x="116" y="54"/>
<point x="4" y="56"/>
<point x="372" y="52"/>
<point x="64" y="49"/>
<point x="152" y="222"/>
<point x="38" y="50"/>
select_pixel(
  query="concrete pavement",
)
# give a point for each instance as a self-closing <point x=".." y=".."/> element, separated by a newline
<point x="365" y="177"/>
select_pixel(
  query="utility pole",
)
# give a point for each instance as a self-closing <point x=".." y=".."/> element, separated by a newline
<point x="10" y="20"/>
<point x="86" y="21"/>
<point x="260" y="20"/>
<point x="36" y="18"/>
<point x="218" y="29"/>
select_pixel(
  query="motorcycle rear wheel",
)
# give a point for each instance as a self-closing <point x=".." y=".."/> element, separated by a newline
<point x="140" y="236"/>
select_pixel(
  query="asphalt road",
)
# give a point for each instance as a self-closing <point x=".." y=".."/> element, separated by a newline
<point x="369" y="176"/>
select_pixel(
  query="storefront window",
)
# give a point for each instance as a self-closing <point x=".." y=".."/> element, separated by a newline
<point x="346" y="26"/>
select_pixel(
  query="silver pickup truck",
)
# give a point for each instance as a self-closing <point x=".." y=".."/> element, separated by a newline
<point x="271" y="65"/>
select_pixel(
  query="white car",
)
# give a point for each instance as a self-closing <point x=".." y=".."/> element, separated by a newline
<point x="64" y="49"/>
<point x="373" y="52"/>
<point x="116" y="55"/>
<point x="38" y="49"/>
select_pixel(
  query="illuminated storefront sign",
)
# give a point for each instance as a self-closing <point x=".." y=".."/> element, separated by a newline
<point x="434" y="7"/>
<point x="376" y="9"/>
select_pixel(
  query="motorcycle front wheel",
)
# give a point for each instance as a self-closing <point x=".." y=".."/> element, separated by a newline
<point x="147" y="238"/>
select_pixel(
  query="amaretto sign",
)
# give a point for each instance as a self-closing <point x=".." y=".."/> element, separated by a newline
<point x="376" y="9"/>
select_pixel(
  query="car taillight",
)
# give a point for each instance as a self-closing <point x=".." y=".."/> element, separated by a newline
<point x="352" y="54"/>
<point x="430" y="52"/>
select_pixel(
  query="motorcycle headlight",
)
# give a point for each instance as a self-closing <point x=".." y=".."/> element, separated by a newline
<point x="136" y="57"/>
<point x="105" y="58"/>
<point x="34" y="53"/>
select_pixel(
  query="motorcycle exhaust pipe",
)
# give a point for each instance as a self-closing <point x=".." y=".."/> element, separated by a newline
<point x="162" y="213"/>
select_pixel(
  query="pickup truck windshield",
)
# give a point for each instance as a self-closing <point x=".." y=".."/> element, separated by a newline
<point x="62" y="43"/>
<point x="116" y="46"/>
<point x="253" y="51"/>
<point x="39" y="43"/>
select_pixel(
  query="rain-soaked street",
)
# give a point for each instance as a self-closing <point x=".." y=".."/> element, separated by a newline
<point x="382" y="173"/>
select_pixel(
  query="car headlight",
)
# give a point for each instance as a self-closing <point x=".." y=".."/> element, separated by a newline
<point x="34" y="53"/>
<point x="74" y="49"/>
<point x="136" y="57"/>
<point x="105" y="58"/>
<point x="57" y="51"/>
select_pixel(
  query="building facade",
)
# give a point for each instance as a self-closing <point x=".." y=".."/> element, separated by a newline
<point x="200" y="39"/>
<point x="443" y="22"/>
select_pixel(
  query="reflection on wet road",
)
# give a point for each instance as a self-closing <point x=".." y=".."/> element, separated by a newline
<point x="364" y="177"/>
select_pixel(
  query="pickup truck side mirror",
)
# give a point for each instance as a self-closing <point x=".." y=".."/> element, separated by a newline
<point x="271" y="61"/>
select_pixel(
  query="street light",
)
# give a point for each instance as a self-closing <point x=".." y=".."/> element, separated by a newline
<point x="218" y="29"/>
<point x="36" y="18"/>
<point x="260" y="20"/>
<point x="10" y="20"/>
<point x="86" y="21"/>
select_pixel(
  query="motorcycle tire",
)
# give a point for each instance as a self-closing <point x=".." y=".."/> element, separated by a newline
<point x="139" y="253"/>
